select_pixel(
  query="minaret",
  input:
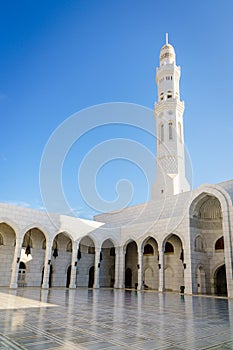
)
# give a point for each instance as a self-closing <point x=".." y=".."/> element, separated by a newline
<point x="168" y="111"/>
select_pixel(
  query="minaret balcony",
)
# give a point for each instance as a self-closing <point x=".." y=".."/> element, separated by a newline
<point x="168" y="104"/>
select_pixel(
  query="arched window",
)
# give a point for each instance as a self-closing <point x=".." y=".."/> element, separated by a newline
<point x="169" y="248"/>
<point x="170" y="127"/>
<point x="112" y="251"/>
<point x="161" y="132"/>
<point x="219" y="245"/>
<point x="169" y="94"/>
<point x="148" y="250"/>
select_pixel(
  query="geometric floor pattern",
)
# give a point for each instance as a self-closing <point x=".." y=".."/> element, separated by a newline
<point x="86" y="319"/>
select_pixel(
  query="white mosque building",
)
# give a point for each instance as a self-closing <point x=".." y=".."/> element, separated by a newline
<point x="181" y="240"/>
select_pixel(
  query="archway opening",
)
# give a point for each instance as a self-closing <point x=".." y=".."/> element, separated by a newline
<point x="174" y="263"/>
<point x="7" y="250"/>
<point x="91" y="277"/>
<point x="85" y="259"/>
<point x="128" y="278"/>
<point x="150" y="263"/>
<point x="61" y="257"/>
<point x="131" y="265"/>
<point x="207" y="236"/>
<point x="22" y="274"/>
<point x="221" y="281"/>
<point x="68" y="275"/>
<point x="107" y="264"/>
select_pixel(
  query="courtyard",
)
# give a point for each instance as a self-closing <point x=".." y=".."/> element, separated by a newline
<point x="110" y="319"/>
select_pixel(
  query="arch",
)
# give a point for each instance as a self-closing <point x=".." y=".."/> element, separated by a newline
<point x="131" y="263"/>
<point x="168" y="248"/>
<point x="174" y="262"/>
<point x="161" y="132"/>
<point x="107" y="264"/>
<point x="36" y="226"/>
<point x="219" y="244"/>
<point x="148" y="249"/>
<point x="11" y="224"/>
<point x="209" y="190"/>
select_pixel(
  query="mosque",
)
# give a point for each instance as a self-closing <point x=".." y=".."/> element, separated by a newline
<point x="180" y="240"/>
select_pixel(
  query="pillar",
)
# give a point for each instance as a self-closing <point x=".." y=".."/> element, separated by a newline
<point x="121" y="269"/>
<point x="74" y="258"/>
<point x="140" y="270"/>
<point x="97" y="268"/>
<point x="15" y="263"/>
<point x="47" y="263"/>
<point x="161" y="269"/>
<point x="117" y="262"/>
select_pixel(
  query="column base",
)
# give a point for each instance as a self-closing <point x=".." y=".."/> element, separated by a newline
<point x="14" y="285"/>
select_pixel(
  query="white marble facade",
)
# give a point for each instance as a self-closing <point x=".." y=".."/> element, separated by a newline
<point x="181" y="237"/>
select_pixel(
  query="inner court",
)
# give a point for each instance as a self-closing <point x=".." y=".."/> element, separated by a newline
<point x="93" y="319"/>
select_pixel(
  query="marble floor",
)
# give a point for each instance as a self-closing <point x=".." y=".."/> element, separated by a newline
<point x="113" y="319"/>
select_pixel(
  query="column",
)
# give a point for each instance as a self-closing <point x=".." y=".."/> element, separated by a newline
<point x="140" y="270"/>
<point x="121" y="269"/>
<point x="97" y="268"/>
<point x="117" y="262"/>
<point x="47" y="263"/>
<point x="15" y="263"/>
<point x="74" y="265"/>
<point x="161" y="269"/>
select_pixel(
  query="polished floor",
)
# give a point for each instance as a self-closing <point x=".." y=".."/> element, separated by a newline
<point x="113" y="319"/>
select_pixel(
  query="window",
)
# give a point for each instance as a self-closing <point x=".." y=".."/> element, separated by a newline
<point x="169" y="94"/>
<point x="169" y="248"/>
<point x="170" y="126"/>
<point x="219" y="245"/>
<point x="161" y="96"/>
<point x="148" y="250"/>
<point x="161" y="133"/>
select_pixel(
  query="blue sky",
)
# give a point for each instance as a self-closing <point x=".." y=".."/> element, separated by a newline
<point x="59" y="57"/>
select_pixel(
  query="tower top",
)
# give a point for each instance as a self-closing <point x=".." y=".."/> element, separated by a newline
<point x="167" y="53"/>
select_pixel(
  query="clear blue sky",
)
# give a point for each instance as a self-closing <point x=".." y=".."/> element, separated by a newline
<point x="58" y="57"/>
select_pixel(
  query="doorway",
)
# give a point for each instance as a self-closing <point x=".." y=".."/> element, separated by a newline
<point x="221" y="281"/>
<point x="91" y="277"/>
<point x="128" y="278"/>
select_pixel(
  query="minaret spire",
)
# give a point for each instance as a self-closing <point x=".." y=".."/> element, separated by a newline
<point x="166" y="38"/>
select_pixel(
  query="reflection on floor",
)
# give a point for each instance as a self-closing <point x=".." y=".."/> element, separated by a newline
<point x="113" y="319"/>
